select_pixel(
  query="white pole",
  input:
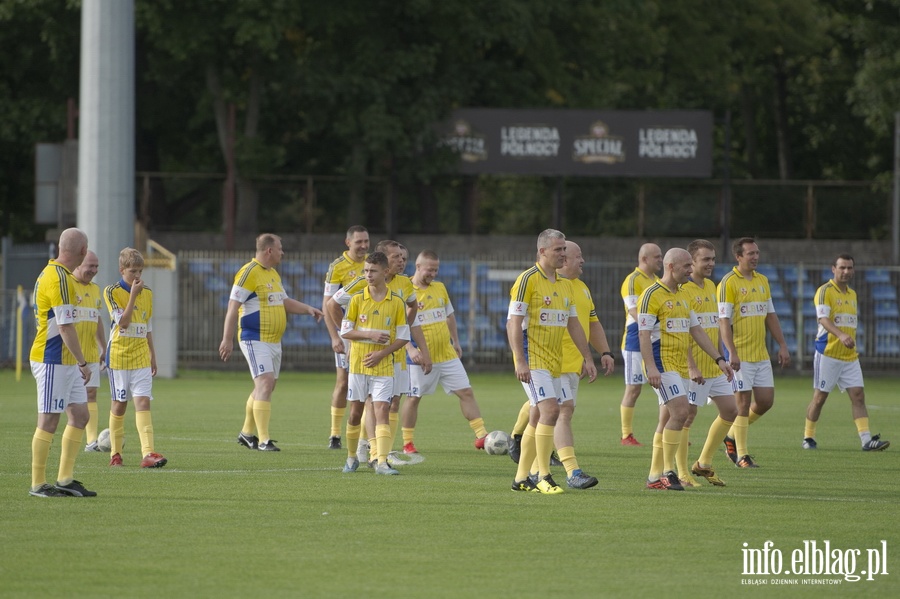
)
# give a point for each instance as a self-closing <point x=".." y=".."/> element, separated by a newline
<point x="895" y="220"/>
<point x="106" y="197"/>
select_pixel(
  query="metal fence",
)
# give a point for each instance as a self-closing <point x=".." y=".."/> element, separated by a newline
<point x="479" y="289"/>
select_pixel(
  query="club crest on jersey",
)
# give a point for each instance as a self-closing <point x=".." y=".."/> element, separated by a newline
<point x="269" y="286"/>
<point x="421" y="305"/>
<point x="743" y="290"/>
<point x="669" y="305"/>
<point x="363" y="318"/>
<point x="699" y="300"/>
<point x="78" y="299"/>
<point x="547" y="300"/>
<point x="352" y="274"/>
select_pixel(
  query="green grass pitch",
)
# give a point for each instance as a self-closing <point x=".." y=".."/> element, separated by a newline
<point x="222" y="521"/>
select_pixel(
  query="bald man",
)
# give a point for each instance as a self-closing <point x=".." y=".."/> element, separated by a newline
<point x="650" y="262"/>
<point x="666" y="324"/>
<point x="60" y="370"/>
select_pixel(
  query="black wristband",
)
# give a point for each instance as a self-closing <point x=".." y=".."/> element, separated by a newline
<point x="607" y="353"/>
<point x="83" y="364"/>
<point x="721" y="358"/>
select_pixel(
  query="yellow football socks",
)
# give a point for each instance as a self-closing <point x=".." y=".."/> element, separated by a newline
<point x="352" y="439"/>
<point x="543" y="444"/>
<point x="739" y="430"/>
<point x="337" y="417"/>
<point x="116" y="433"/>
<point x="717" y="431"/>
<point x="567" y="457"/>
<point x="383" y="440"/>
<point x="249" y="427"/>
<point x="753" y="417"/>
<point x="682" y="453"/>
<point x="394" y="423"/>
<point x="71" y="445"/>
<point x="810" y="431"/>
<point x="262" y="413"/>
<point x="522" y="419"/>
<point x="670" y="441"/>
<point x="527" y="453"/>
<point x="408" y="434"/>
<point x="477" y="426"/>
<point x="627" y="414"/>
<point x="40" y="452"/>
<point x="144" y="422"/>
<point x="656" y="458"/>
<point x="90" y="429"/>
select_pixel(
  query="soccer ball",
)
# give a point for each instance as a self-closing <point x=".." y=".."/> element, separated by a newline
<point x="103" y="443"/>
<point x="497" y="443"/>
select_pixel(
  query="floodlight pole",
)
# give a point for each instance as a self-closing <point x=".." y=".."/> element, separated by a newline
<point x="895" y="217"/>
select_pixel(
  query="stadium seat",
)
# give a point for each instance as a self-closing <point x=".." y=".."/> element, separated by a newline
<point x="319" y="269"/>
<point x="216" y="284"/>
<point x="292" y="268"/>
<point x="790" y="274"/>
<point x="809" y="309"/>
<point x="886" y="309"/>
<point x="777" y="290"/>
<point x="494" y="341"/>
<point x="498" y="305"/>
<point x="449" y="270"/>
<point x="887" y="347"/>
<point x="461" y="304"/>
<point x="825" y="274"/>
<point x="787" y="325"/>
<point x="318" y="337"/>
<point x="810" y="326"/>
<point x="292" y="338"/>
<point x="311" y="285"/>
<point x="457" y="287"/>
<point x="490" y="288"/>
<point x="720" y="271"/>
<point x="783" y="308"/>
<point x="768" y="271"/>
<point x="877" y="275"/>
<point x="884" y="292"/>
<point x="887" y="327"/>
<point x="230" y="266"/>
<point x="201" y="267"/>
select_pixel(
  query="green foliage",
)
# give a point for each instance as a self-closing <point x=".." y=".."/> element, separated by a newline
<point x="354" y="88"/>
<point x="220" y="520"/>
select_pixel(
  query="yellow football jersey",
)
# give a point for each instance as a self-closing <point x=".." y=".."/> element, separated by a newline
<point x="841" y="308"/>
<point x="341" y="272"/>
<point x="668" y="317"/>
<point x="128" y="349"/>
<point x="572" y="360"/>
<point x="746" y="303"/>
<point x="259" y="290"/>
<point x="704" y="305"/>
<point x="366" y="314"/>
<point x="54" y="304"/>
<point x="434" y="308"/>
<point x="632" y="288"/>
<point x="88" y="304"/>
<point x="547" y="307"/>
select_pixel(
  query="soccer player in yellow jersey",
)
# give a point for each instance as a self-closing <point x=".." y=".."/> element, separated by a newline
<point x="258" y="307"/>
<point x="438" y="324"/>
<point x="541" y="309"/>
<point x="375" y="324"/>
<point x="88" y="305"/>
<point x="836" y="361"/>
<point x="401" y="285"/>
<point x="572" y="366"/>
<point x="707" y="381"/>
<point x="666" y="325"/>
<point x="131" y="358"/>
<point x="746" y="310"/>
<point x="342" y="271"/>
<point x="60" y="370"/>
<point x="649" y="264"/>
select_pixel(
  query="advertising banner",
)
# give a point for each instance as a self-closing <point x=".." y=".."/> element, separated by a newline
<point x="589" y="143"/>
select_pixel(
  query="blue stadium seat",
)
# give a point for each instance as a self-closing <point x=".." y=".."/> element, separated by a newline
<point x="494" y="341"/>
<point x="777" y="290"/>
<point x="886" y="327"/>
<point x="201" y="267"/>
<point x="769" y="271"/>
<point x="720" y="271"/>
<point x="216" y="284"/>
<point x="884" y="292"/>
<point x="810" y="326"/>
<point x="825" y="274"/>
<point x="457" y="287"/>
<point x="887" y="347"/>
<point x="449" y="270"/>
<point x="498" y="305"/>
<point x="311" y="284"/>
<point x="319" y="269"/>
<point x="877" y="275"/>
<point x="490" y="288"/>
<point x="783" y="308"/>
<point x="886" y="309"/>
<point x="292" y="338"/>
<point x="230" y="267"/>
<point x="809" y="309"/>
<point x="318" y="337"/>
<point x="787" y="326"/>
<point x="790" y="274"/>
<point x="292" y="268"/>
